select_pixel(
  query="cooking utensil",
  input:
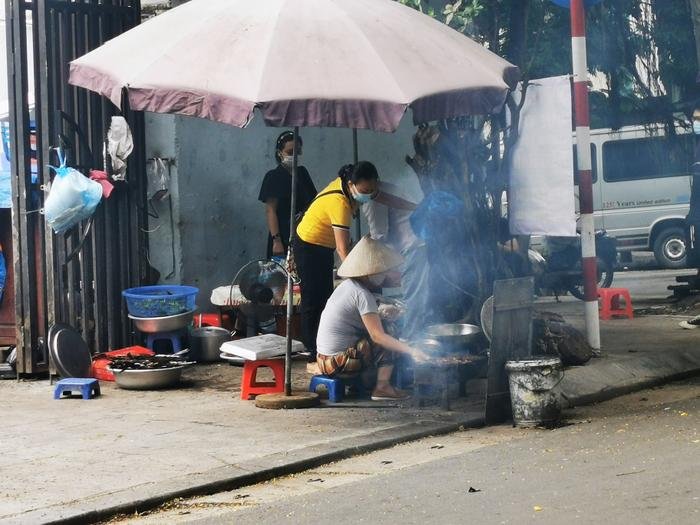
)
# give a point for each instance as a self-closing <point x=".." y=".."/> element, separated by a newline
<point x="151" y="379"/>
<point x="69" y="351"/>
<point x="487" y="317"/>
<point x="205" y="343"/>
<point x="454" y="335"/>
<point x="171" y="323"/>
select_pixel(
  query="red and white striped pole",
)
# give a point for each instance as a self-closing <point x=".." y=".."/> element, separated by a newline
<point x="583" y="143"/>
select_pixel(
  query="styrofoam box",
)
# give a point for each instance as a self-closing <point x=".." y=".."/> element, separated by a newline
<point x="260" y="347"/>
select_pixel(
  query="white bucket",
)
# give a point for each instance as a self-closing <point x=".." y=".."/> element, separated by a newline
<point x="533" y="393"/>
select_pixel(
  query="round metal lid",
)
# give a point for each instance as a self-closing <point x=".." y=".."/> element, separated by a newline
<point x="69" y="351"/>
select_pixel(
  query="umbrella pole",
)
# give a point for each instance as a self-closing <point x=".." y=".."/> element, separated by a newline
<point x="290" y="284"/>
<point x="358" y="225"/>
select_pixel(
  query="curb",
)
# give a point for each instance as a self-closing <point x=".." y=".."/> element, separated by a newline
<point x="149" y="496"/>
<point x="602" y="380"/>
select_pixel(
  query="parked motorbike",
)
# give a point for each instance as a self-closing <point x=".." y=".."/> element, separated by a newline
<point x="561" y="270"/>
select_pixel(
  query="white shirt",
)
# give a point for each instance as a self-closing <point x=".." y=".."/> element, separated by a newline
<point x="390" y="225"/>
<point x="341" y="323"/>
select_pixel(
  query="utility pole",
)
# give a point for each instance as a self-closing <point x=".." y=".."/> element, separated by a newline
<point x="583" y="144"/>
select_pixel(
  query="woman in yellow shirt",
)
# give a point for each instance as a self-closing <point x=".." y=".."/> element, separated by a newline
<point x="324" y="229"/>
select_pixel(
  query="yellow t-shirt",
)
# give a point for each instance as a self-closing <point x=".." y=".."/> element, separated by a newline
<point x="326" y="213"/>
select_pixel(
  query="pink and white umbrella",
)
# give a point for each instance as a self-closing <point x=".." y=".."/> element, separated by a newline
<point x="337" y="63"/>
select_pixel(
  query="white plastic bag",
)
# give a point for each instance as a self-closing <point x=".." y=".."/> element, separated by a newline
<point x="72" y="197"/>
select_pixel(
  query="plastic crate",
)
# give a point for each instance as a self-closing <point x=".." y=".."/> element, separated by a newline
<point x="160" y="301"/>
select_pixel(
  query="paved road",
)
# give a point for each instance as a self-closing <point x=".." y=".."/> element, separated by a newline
<point x="635" y="459"/>
<point x="650" y="284"/>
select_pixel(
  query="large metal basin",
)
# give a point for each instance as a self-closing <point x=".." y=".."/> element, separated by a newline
<point x="152" y="325"/>
<point x="453" y="335"/>
<point x="151" y="379"/>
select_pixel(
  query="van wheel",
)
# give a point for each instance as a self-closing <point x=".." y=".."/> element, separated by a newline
<point x="669" y="248"/>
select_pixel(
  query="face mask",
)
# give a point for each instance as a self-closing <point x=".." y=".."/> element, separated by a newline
<point x="377" y="280"/>
<point x="696" y="127"/>
<point x="288" y="160"/>
<point x="362" y="198"/>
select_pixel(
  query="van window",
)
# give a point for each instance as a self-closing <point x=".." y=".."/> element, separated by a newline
<point x="647" y="158"/>
<point x="594" y="164"/>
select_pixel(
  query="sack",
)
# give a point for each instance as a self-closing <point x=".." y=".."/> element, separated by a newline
<point x="72" y="197"/>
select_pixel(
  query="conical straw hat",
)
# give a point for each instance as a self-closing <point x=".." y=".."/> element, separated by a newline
<point x="369" y="257"/>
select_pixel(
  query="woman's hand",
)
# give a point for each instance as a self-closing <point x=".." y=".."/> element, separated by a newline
<point x="277" y="246"/>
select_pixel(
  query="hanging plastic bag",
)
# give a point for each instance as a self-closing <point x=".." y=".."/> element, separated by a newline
<point x="72" y="197"/>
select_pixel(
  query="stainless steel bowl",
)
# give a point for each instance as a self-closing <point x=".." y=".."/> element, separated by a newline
<point x="453" y="335"/>
<point x="151" y="379"/>
<point x="152" y="325"/>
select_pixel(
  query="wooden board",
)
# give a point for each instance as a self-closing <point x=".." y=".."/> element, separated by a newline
<point x="511" y="339"/>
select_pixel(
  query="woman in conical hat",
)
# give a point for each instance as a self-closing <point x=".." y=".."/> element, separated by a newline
<point x="351" y="337"/>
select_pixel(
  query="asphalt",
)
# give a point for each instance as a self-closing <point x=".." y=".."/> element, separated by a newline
<point x="75" y="461"/>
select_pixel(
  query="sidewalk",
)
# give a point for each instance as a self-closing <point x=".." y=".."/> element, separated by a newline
<point x="80" y="461"/>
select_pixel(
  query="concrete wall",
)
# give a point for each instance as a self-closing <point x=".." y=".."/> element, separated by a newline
<point x="220" y="224"/>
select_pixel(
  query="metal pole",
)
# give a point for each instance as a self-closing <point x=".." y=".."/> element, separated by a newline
<point x="290" y="284"/>
<point x="583" y="143"/>
<point x="358" y="224"/>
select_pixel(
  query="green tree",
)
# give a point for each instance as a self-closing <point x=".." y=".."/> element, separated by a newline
<point x="642" y="47"/>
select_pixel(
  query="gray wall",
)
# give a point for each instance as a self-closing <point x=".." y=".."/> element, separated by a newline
<point x="216" y="177"/>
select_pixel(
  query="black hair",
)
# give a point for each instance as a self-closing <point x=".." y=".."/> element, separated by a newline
<point x="363" y="170"/>
<point x="285" y="136"/>
<point x="354" y="173"/>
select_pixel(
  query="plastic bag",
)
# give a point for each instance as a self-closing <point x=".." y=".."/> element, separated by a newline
<point x="72" y="197"/>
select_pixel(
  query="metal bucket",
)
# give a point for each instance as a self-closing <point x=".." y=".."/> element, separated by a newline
<point x="533" y="391"/>
<point x="205" y="343"/>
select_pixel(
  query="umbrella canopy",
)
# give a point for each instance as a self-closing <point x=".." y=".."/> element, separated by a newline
<point x="337" y="63"/>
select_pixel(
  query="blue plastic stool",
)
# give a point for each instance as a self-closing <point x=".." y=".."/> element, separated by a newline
<point x="89" y="388"/>
<point x="334" y="385"/>
<point x="173" y="337"/>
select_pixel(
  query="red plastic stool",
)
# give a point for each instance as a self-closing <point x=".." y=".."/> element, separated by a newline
<point x="201" y="320"/>
<point x="610" y="303"/>
<point x="251" y="387"/>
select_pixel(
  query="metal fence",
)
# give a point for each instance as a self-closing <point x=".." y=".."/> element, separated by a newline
<point x="77" y="277"/>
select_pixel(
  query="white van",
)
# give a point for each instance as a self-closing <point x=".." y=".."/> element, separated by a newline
<point x="641" y="189"/>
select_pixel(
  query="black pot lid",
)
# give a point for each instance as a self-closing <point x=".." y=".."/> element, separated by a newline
<point x="69" y="351"/>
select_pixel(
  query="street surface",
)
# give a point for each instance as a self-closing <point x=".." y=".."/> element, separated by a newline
<point x="635" y="459"/>
<point x="650" y="284"/>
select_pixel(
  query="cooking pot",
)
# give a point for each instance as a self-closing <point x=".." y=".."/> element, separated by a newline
<point x="205" y="343"/>
<point x="454" y="336"/>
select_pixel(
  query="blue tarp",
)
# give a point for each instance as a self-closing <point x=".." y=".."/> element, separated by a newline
<point x="3" y="274"/>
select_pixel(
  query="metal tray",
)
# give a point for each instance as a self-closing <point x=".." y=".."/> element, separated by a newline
<point x="147" y="379"/>
<point x="152" y="325"/>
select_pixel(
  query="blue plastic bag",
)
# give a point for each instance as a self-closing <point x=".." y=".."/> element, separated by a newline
<point x="72" y="198"/>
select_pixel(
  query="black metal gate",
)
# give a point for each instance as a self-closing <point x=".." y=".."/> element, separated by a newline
<point x="56" y="278"/>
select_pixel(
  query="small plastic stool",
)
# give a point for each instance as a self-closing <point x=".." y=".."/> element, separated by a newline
<point x="610" y="303"/>
<point x="201" y="320"/>
<point x="173" y="337"/>
<point x="251" y="387"/>
<point x="89" y="388"/>
<point x="334" y="385"/>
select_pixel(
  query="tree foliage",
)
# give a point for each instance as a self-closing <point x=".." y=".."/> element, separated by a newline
<point x="643" y="49"/>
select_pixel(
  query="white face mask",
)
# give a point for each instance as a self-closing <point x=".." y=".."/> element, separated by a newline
<point x="377" y="279"/>
<point x="696" y="127"/>
<point x="287" y="161"/>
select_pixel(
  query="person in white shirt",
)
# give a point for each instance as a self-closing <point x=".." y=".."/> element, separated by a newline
<point x="388" y="218"/>
<point x="351" y="338"/>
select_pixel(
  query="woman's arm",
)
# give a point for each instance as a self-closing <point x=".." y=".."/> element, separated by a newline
<point x="273" y="225"/>
<point x="392" y="201"/>
<point x="342" y="242"/>
<point x="374" y="327"/>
